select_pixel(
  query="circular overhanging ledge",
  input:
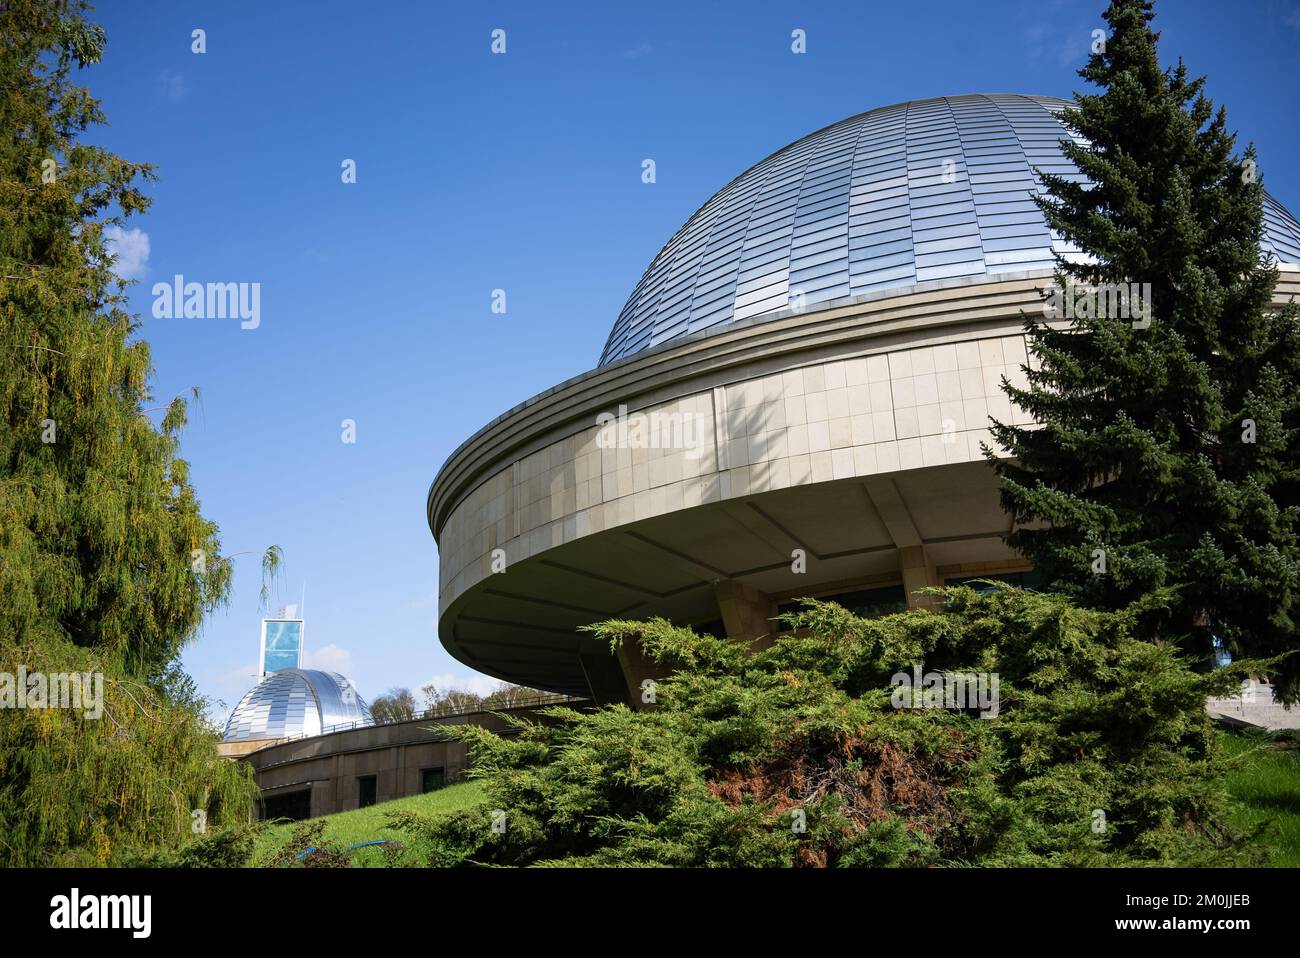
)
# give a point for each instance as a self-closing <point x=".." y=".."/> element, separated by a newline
<point x="776" y="342"/>
<point x="851" y="435"/>
<point x="832" y="451"/>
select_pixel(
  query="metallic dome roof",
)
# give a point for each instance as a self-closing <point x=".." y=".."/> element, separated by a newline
<point x="294" y="702"/>
<point x="924" y="192"/>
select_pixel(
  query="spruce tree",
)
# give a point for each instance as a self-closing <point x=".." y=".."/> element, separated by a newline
<point x="106" y="564"/>
<point x="1164" y="452"/>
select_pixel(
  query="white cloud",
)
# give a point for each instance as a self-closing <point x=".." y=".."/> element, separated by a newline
<point x="1055" y="30"/>
<point x="1293" y="21"/>
<point x="329" y="658"/>
<point x="474" y="682"/>
<point x="638" y="51"/>
<point x="230" y="688"/>
<point x="131" y="247"/>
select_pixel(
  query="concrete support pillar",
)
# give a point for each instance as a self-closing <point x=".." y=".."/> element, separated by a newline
<point x="917" y="570"/>
<point x="746" y="613"/>
<point x="637" y="667"/>
<point x="918" y="573"/>
<point x="604" y="675"/>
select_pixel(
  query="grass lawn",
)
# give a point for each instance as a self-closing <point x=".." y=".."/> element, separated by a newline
<point x="1265" y="786"/>
<point x="369" y="824"/>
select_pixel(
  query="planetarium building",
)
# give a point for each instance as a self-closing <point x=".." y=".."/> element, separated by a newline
<point x="791" y="403"/>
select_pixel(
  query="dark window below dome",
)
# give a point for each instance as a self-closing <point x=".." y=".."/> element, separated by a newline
<point x="367" y="788"/>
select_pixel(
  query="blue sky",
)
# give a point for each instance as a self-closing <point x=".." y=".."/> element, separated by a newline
<point x="477" y="172"/>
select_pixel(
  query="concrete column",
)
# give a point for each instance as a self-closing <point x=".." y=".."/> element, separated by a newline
<point x="606" y="679"/>
<point x="746" y="616"/>
<point x="340" y="796"/>
<point x="746" y="612"/>
<point x="917" y="570"/>
<point x="918" y="573"/>
<point x="637" y="667"/>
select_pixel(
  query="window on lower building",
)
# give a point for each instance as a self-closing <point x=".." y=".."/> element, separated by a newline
<point x="367" y="788"/>
<point x="295" y="806"/>
<point x="432" y="779"/>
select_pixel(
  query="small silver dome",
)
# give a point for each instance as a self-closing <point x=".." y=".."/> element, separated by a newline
<point x="294" y="702"/>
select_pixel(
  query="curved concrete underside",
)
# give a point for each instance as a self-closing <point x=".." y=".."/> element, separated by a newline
<point x="688" y="564"/>
<point x="852" y="434"/>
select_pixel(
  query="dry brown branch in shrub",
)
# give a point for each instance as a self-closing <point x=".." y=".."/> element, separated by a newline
<point x="875" y="780"/>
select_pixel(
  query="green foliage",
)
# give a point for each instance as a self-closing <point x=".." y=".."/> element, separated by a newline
<point x="452" y="699"/>
<point x="106" y="564"/>
<point x="98" y="526"/>
<point x="80" y="790"/>
<point x="272" y="559"/>
<point x="229" y="848"/>
<point x="1144" y="449"/>
<point x="741" y="744"/>
<point x="395" y="705"/>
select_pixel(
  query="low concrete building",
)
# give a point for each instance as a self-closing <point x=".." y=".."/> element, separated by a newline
<point x="1253" y="707"/>
<point x="353" y="768"/>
